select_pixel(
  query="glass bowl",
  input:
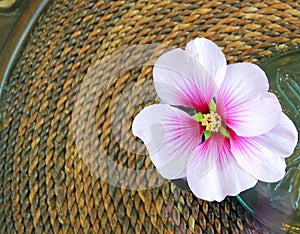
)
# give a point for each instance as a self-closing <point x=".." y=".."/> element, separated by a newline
<point x="277" y="204"/>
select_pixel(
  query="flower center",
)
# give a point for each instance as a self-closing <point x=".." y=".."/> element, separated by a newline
<point x="212" y="122"/>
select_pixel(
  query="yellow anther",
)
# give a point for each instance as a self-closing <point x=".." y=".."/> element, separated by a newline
<point x="212" y="122"/>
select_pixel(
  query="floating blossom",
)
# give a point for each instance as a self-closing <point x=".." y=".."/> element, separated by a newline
<point x="237" y="133"/>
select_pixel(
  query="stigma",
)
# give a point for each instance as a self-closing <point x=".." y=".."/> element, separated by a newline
<point x="212" y="122"/>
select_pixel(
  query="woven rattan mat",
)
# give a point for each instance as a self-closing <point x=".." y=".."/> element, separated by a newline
<point x="46" y="185"/>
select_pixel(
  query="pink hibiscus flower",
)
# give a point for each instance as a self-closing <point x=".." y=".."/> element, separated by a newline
<point x="237" y="133"/>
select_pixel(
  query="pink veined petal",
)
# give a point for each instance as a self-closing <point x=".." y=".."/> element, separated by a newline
<point x="170" y="136"/>
<point x="253" y="117"/>
<point x="181" y="81"/>
<point x="259" y="160"/>
<point x="244" y="103"/>
<point x="224" y="177"/>
<point x="210" y="56"/>
<point x="282" y="139"/>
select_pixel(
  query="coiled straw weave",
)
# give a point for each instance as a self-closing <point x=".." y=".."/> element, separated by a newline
<point x="46" y="185"/>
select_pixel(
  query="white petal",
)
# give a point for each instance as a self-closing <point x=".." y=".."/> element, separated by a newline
<point x="224" y="177"/>
<point x="170" y="136"/>
<point x="243" y="81"/>
<point x="244" y="103"/>
<point x="255" y="117"/>
<point x="210" y="56"/>
<point x="181" y="81"/>
<point x="259" y="160"/>
<point x="283" y="138"/>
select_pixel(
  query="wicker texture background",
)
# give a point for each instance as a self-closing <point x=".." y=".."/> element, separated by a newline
<point x="45" y="186"/>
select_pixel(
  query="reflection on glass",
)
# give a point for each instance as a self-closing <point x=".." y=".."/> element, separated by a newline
<point x="277" y="204"/>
